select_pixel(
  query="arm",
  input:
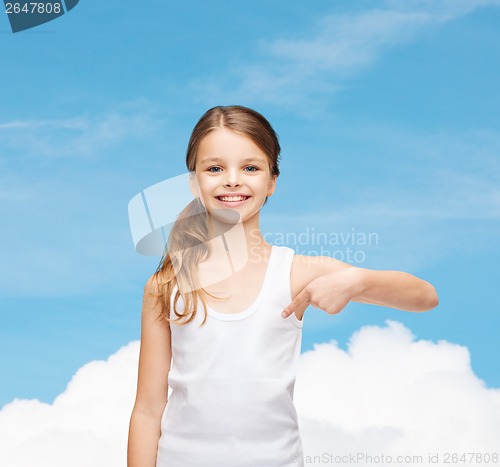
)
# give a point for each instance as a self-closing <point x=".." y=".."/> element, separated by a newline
<point x="330" y="284"/>
<point x="394" y="289"/>
<point x="152" y="383"/>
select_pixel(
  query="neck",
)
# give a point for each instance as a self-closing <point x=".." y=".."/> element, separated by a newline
<point x="239" y="237"/>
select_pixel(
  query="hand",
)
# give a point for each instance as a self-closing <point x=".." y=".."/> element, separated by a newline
<point x="330" y="292"/>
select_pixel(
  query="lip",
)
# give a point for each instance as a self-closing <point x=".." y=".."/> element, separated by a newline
<point x="233" y="194"/>
<point x="233" y="204"/>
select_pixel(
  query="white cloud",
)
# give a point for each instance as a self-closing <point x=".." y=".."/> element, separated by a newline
<point x="390" y="394"/>
<point x="346" y="43"/>
<point x="86" y="425"/>
<point x="446" y="9"/>
<point x="79" y="136"/>
<point x="300" y="72"/>
<point x="386" y="394"/>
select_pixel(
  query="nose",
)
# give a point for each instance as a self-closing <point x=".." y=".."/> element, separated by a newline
<point x="232" y="178"/>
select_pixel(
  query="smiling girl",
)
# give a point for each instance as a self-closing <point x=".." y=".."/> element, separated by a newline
<point x="223" y="314"/>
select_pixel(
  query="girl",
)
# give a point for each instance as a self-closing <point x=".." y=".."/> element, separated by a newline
<point x="232" y="362"/>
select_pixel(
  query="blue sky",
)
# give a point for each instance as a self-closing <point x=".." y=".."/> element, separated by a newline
<point x="387" y="114"/>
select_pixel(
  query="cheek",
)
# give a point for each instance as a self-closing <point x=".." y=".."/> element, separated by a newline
<point x="207" y="185"/>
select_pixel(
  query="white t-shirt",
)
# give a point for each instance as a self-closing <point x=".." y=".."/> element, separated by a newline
<point x="233" y="382"/>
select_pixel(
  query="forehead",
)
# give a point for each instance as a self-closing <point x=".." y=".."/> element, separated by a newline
<point x="223" y="144"/>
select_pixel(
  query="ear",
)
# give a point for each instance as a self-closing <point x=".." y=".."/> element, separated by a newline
<point x="193" y="184"/>
<point x="272" y="185"/>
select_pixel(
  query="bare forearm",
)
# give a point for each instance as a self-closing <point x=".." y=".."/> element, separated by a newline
<point x="395" y="289"/>
<point x="144" y="433"/>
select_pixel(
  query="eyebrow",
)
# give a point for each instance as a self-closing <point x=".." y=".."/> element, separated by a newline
<point x="218" y="159"/>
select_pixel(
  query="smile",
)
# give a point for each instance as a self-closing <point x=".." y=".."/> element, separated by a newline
<point x="232" y="201"/>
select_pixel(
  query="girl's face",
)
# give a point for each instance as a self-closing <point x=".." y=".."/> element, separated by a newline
<point x="230" y="163"/>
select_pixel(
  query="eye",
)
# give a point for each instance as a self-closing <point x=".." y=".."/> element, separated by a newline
<point x="248" y="167"/>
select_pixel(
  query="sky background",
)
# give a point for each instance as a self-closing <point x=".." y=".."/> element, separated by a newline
<point x="387" y="113"/>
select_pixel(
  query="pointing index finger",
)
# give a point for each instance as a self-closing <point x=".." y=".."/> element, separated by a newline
<point x="301" y="298"/>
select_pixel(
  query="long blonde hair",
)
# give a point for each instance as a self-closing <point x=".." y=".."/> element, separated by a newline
<point x="188" y="239"/>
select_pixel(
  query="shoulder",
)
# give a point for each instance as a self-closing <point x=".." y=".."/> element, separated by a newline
<point x="151" y="287"/>
<point x="315" y="266"/>
<point x="153" y="300"/>
<point x="151" y="284"/>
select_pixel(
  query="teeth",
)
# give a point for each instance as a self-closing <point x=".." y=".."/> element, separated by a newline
<point x="233" y="198"/>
